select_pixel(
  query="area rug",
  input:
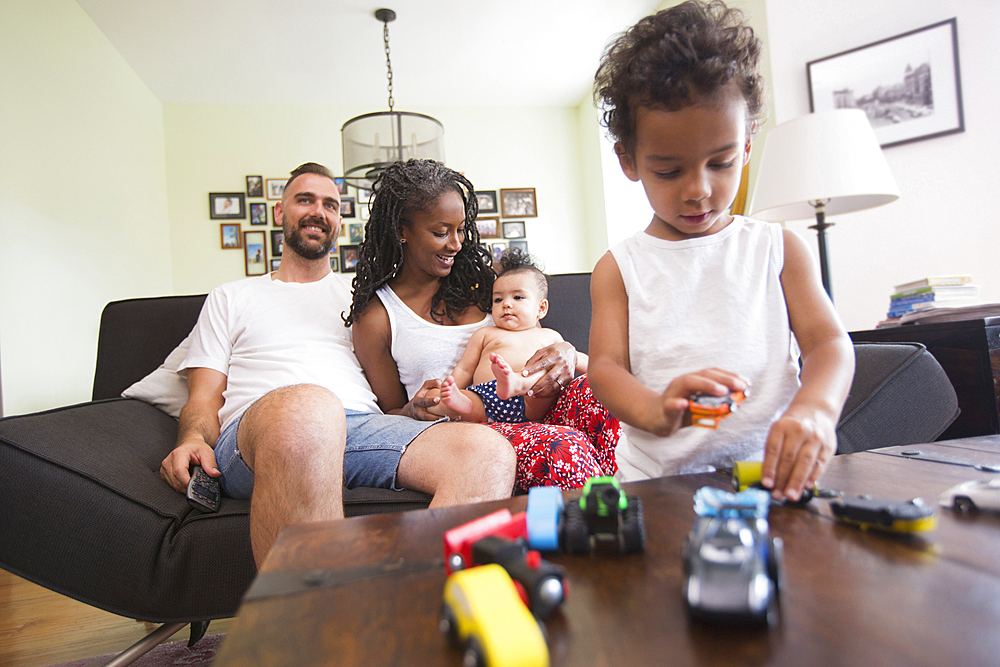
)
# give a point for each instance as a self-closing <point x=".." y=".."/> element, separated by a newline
<point x="164" y="655"/>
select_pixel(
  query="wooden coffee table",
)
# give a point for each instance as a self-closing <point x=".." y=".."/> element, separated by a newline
<point x="850" y="597"/>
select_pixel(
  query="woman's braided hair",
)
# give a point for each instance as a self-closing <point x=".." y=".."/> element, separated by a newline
<point x="402" y="189"/>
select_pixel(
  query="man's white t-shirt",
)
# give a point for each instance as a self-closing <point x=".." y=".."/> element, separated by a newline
<point x="265" y="334"/>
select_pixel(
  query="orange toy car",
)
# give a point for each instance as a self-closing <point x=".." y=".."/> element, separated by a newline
<point x="708" y="411"/>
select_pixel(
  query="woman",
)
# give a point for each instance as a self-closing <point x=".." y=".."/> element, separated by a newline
<point x="423" y="285"/>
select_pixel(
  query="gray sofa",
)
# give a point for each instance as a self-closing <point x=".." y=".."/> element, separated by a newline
<point x="87" y="515"/>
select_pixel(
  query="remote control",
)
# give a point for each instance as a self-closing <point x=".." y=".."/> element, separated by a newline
<point x="203" y="491"/>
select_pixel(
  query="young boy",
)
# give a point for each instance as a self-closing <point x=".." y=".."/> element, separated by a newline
<point x="495" y="355"/>
<point x="704" y="302"/>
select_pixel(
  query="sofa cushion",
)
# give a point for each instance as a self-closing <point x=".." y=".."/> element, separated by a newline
<point x="164" y="388"/>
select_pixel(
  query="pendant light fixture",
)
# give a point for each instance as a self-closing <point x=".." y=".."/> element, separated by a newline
<point x="373" y="141"/>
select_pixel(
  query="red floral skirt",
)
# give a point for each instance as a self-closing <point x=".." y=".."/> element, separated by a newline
<point x="576" y="440"/>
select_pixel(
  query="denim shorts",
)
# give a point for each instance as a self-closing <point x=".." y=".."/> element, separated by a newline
<point x="375" y="443"/>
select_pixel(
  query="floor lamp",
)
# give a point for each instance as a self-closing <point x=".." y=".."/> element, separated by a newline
<point x="822" y="164"/>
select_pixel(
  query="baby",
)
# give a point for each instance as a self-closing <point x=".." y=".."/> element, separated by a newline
<point x="495" y="355"/>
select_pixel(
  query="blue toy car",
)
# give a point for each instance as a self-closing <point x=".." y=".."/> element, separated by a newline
<point x="732" y="565"/>
<point x="544" y="517"/>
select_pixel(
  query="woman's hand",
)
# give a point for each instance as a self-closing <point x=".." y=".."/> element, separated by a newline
<point x="429" y="394"/>
<point x="558" y="361"/>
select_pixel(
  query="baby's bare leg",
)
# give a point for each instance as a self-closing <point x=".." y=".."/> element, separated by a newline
<point x="510" y="383"/>
<point x="460" y="403"/>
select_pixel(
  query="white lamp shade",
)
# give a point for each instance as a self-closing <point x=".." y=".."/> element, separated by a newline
<point x="830" y="155"/>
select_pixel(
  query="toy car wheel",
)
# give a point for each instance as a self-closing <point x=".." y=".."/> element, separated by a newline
<point x="576" y="535"/>
<point x="633" y="527"/>
<point x="775" y="556"/>
<point x="473" y="656"/>
<point x="448" y="625"/>
<point x="686" y="555"/>
<point x="964" y="503"/>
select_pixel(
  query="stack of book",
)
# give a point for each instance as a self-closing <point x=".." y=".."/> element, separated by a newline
<point x="930" y="293"/>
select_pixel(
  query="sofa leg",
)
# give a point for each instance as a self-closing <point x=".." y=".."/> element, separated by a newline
<point x="146" y="644"/>
<point x="198" y="630"/>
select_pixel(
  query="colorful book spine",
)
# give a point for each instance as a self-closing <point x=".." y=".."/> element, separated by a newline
<point x="934" y="281"/>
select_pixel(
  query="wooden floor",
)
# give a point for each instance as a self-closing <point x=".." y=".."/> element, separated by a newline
<point x="39" y="627"/>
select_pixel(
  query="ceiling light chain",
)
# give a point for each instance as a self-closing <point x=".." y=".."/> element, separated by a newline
<point x="388" y="62"/>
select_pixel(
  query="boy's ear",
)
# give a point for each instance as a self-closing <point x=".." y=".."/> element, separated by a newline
<point x="543" y="308"/>
<point x="627" y="162"/>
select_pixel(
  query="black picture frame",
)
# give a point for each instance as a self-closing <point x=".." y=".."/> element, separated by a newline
<point x="277" y="242"/>
<point x="255" y="186"/>
<point x="487" y="201"/>
<point x="347" y="208"/>
<point x="349" y="255"/>
<point x="258" y="213"/>
<point x="227" y="205"/>
<point x="909" y="85"/>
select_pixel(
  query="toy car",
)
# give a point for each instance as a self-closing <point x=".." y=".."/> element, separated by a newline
<point x="749" y="503"/>
<point x="459" y="540"/>
<point x="746" y="475"/>
<point x="708" y="411"/>
<point x="482" y="613"/>
<point x="544" y="517"/>
<point x="540" y="584"/>
<point x="603" y="515"/>
<point x="896" y="516"/>
<point x="732" y="570"/>
<point x="975" y="495"/>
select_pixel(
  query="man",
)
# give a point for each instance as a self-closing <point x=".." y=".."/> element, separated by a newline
<point x="280" y="409"/>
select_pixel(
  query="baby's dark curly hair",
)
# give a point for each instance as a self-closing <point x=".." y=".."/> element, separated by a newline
<point x="402" y="189"/>
<point x="674" y="58"/>
<point x="518" y="261"/>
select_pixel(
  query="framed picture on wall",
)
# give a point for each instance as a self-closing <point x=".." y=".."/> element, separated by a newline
<point x="231" y="237"/>
<point x="255" y="186"/>
<point x="335" y="263"/>
<point x="255" y="253"/>
<point x="518" y="203"/>
<point x="274" y="187"/>
<point x="275" y="263"/>
<point x="487" y="201"/>
<point x="908" y="85"/>
<point x="497" y="250"/>
<point x="258" y="214"/>
<point x="518" y="245"/>
<point x="347" y="207"/>
<point x="341" y="184"/>
<point x="489" y="227"/>
<point x="277" y="242"/>
<point x="355" y="233"/>
<point x="513" y="230"/>
<point x="224" y="205"/>
<point x="348" y="258"/>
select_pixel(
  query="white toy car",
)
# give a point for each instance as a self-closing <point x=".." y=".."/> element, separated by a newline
<point x="975" y="495"/>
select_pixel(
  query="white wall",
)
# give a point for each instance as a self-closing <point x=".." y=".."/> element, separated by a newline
<point x="943" y="221"/>
<point x="82" y="198"/>
<point x="213" y="148"/>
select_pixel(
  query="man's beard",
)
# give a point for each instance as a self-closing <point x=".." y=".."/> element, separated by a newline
<point x="297" y="242"/>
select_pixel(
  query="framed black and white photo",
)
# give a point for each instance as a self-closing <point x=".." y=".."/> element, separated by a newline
<point x="518" y="203"/>
<point x="255" y="253"/>
<point x="347" y="207"/>
<point x="277" y="242"/>
<point x="487" y="201"/>
<point x="513" y="230"/>
<point x="274" y="187"/>
<point x="255" y="186"/>
<point x="258" y="214"/>
<point x="226" y="205"/>
<point x="231" y="237"/>
<point x="908" y="85"/>
<point x="489" y="227"/>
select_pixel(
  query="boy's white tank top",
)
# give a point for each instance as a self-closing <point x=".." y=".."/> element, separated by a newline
<point x="423" y="350"/>
<point x="711" y="301"/>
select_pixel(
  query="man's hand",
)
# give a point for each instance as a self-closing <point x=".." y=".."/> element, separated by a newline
<point x="558" y="361"/>
<point x="799" y="447"/>
<point x="429" y="394"/>
<point x="176" y="468"/>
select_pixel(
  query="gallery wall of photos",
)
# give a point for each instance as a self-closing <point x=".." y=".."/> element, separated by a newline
<point x="501" y="222"/>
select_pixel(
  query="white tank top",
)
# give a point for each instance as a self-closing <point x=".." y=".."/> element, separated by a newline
<point x="711" y="301"/>
<point x="423" y="350"/>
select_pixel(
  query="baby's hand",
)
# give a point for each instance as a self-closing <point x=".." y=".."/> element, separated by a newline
<point x="675" y="399"/>
<point x="799" y="446"/>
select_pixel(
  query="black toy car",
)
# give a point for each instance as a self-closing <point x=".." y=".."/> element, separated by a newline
<point x="603" y="515"/>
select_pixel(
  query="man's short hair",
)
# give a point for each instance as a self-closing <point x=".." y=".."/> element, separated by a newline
<point x="308" y="168"/>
